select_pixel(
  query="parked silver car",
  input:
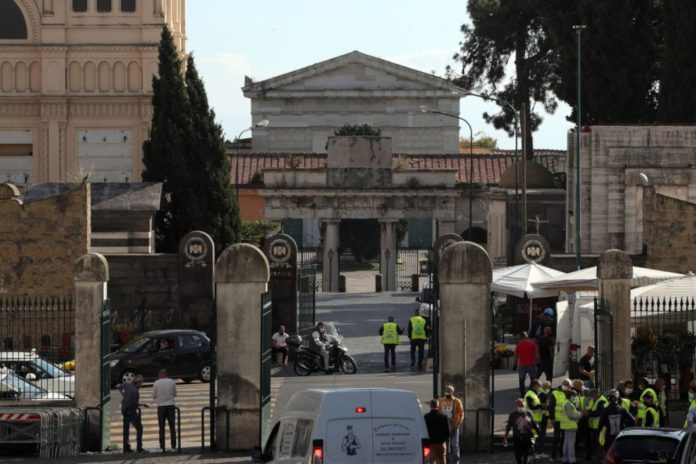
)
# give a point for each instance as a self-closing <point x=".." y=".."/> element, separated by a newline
<point x="39" y="371"/>
<point x="14" y="387"/>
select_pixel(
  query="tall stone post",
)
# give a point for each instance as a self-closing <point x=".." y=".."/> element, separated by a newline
<point x="615" y="271"/>
<point x="196" y="280"/>
<point x="465" y="275"/>
<point x="91" y="274"/>
<point x="329" y="273"/>
<point x="388" y="254"/>
<point x="281" y="252"/>
<point x="241" y="274"/>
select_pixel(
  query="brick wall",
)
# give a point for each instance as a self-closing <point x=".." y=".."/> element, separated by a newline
<point x="670" y="233"/>
<point x="40" y="241"/>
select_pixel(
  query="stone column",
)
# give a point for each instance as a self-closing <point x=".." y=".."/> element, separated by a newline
<point x="615" y="271"/>
<point x="281" y="252"/>
<point x="465" y="277"/>
<point x="388" y="254"/>
<point x="91" y="274"/>
<point x="330" y="255"/>
<point x="196" y="279"/>
<point x="446" y="227"/>
<point x="241" y="274"/>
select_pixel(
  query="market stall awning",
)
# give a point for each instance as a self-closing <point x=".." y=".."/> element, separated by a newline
<point x="523" y="280"/>
<point x="586" y="279"/>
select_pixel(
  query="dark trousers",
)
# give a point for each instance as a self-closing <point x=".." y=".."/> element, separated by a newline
<point x="521" y="448"/>
<point x="557" y="439"/>
<point x="539" y="443"/>
<point x="132" y="417"/>
<point x="546" y="368"/>
<point x="420" y="345"/>
<point x="389" y="348"/>
<point x="166" y="413"/>
<point x="283" y="350"/>
<point x="583" y="437"/>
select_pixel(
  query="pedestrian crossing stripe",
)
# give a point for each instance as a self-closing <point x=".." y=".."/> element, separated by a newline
<point x="190" y="399"/>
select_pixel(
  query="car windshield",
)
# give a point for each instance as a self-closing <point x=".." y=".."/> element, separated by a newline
<point x="19" y="384"/>
<point x="49" y="368"/>
<point x="645" y="448"/>
<point x="135" y="345"/>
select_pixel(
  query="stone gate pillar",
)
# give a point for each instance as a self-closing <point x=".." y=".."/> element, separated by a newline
<point x="281" y="252"/>
<point x="464" y="274"/>
<point x="91" y="274"/>
<point x="241" y="274"/>
<point x="388" y="254"/>
<point x="330" y="268"/>
<point x="615" y="271"/>
<point x="196" y="260"/>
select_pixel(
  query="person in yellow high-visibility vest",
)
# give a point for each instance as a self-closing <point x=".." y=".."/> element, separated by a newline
<point x="652" y="416"/>
<point x="644" y="389"/>
<point x="569" y="417"/>
<point x="691" y="412"/>
<point x="389" y="333"/>
<point x="417" y="334"/>
<point x="599" y="403"/>
<point x="536" y="409"/>
<point x="661" y="401"/>
<point x="556" y="400"/>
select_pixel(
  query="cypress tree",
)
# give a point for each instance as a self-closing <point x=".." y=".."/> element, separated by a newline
<point x="216" y="209"/>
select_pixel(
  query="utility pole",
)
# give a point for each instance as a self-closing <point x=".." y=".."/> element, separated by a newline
<point x="578" y="246"/>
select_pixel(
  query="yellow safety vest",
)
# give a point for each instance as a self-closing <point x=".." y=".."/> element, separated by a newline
<point x="626" y="404"/>
<point x="390" y="336"/>
<point x="594" y="421"/>
<point x="655" y="415"/>
<point x="566" y="422"/>
<point x="560" y="398"/>
<point x="536" y="413"/>
<point x="418" y="328"/>
<point x="641" y="404"/>
<point x="692" y="405"/>
<point x="662" y="403"/>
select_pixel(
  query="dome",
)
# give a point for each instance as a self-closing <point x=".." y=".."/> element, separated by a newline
<point x="537" y="176"/>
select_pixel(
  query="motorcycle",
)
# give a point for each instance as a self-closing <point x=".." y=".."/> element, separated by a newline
<point x="307" y="360"/>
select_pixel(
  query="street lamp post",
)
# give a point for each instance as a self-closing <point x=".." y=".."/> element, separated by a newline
<point x="578" y="251"/>
<point x="425" y="109"/>
<point x="262" y="123"/>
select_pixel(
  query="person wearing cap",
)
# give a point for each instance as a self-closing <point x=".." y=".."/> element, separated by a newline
<point x="438" y="432"/>
<point x="451" y="406"/>
<point x="525" y="360"/>
<point x="614" y="419"/>
<point x="652" y="416"/>
<point x="586" y="367"/>
<point x="644" y="390"/>
<point x="545" y="319"/>
<point x="523" y="426"/>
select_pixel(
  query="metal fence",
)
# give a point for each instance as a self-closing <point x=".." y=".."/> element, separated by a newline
<point x="37" y="336"/>
<point x="663" y="341"/>
<point x="306" y="299"/>
<point x="410" y="262"/>
<point x="604" y="346"/>
<point x="312" y="257"/>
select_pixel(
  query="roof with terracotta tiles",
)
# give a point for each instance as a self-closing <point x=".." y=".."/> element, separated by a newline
<point x="487" y="168"/>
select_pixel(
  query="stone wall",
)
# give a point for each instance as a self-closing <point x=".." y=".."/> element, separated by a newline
<point x="40" y="241"/>
<point x="670" y="233"/>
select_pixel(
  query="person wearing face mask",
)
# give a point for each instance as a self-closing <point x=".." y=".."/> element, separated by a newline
<point x="523" y="427"/>
<point x="627" y="398"/>
<point x="535" y="408"/>
<point x="451" y="406"/>
<point x="691" y="412"/>
<point x="614" y="419"/>
<point x="556" y="400"/>
<point x="652" y="417"/>
<point x="544" y="396"/>
<point x="569" y="424"/>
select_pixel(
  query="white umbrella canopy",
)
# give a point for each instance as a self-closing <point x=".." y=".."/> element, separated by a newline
<point x="684" y="287"/>
<point x="586" y="279"/>
<point x="523" y="280"/>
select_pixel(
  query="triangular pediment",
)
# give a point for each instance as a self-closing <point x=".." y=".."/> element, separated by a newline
<point x="350" y="72"/>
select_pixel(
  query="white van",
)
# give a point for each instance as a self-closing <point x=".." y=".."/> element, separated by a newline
<point x="349" y="425"/>
<point x="574" y="331"/>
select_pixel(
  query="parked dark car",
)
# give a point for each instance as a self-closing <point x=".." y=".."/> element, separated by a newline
<point x="184" y="353"/>
<point x="646" y="445"/>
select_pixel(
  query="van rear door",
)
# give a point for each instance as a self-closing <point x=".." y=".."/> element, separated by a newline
<point x="563" y="332"/>
<point x="397" y="428"/>
<point x="348" y="438"/>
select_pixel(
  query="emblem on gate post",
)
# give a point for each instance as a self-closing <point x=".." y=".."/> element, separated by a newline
<point x="195" y="250"/>
<point x="533" y="248"/>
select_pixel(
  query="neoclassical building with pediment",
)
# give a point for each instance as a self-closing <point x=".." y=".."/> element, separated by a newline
<point x="76" y="86"/>
<point x="307" y="105"/>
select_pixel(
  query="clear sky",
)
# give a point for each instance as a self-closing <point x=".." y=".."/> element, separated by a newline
<point x="262" y="39"/>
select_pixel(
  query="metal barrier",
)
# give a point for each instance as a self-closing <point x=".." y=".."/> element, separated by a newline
<point x="56" y="432"/>
<point x="478" y="417"/>
<point x="86" y="423"/>
<point x="227" y="427"/>
<point x="178" y="428"/>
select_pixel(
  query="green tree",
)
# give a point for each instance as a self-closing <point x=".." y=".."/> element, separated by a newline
<point x="364" y="130"/>
<point x="185" y="151"/>
<point x="503" y="32"/>
<point x="619" y="57"/>
<point x="215" y="209"/>
<point x="677" y="99"/>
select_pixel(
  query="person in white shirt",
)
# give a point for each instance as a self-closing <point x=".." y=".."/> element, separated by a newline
<point x="164" y="393"/>
<point x="279" y="343"/>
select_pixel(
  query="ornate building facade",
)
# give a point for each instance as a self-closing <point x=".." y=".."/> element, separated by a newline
<point x="76" y="85"/>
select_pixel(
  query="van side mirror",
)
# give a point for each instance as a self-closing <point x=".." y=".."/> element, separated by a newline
<point x="256" y="455"/>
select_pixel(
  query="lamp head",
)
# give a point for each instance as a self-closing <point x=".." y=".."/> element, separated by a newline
<point x="262" y="123"/>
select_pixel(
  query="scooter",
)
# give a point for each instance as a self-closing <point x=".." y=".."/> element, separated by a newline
<point x="308" y="360"/>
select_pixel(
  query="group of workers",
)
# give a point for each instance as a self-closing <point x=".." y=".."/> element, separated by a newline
<point x="585" y="417"/>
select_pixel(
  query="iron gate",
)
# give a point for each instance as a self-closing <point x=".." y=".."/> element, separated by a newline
<point x="306" y="274"/>
<point x="312" y="257"/>
<point x="410" y="262"/>
<point x="604" y="346"/>
<point x="265" y="387"/>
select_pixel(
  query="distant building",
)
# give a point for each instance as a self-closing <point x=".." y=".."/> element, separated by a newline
<point x="306" y="106"/>
<point x="76" y="85"/>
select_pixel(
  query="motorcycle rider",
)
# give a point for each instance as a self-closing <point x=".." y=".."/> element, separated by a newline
<point x="320" y="342"/>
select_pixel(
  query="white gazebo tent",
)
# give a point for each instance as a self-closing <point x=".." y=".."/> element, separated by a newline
<point x="586" y="279"/>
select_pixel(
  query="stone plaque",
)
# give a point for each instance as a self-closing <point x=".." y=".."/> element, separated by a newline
<point x="196" y="281"/>
<point x="281" y="251"/>
<point x="532" y="248"/>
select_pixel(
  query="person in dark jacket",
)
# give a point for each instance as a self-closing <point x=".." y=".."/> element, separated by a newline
<point x="438" y="432"/>
<point x="129" y="409"/>
<point x="615" y="418"/>
<point x="522" y="424"/>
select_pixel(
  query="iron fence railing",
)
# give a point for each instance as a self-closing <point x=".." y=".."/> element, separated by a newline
<point x="312" y="257"/>
<point x="410" y="262"/>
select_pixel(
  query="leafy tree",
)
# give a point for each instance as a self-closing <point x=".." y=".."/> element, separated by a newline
<point x="502" y="32"/>
<point x="364" y="130"/>
<point x="185" y="151"/>
<point x="482" y="141"/>
<point x="677" y="100"/>
<point x="255" y="232"/>
<point x="619" y="57"/>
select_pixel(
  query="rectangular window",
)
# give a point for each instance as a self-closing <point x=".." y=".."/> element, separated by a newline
<point x="79" y="6"/>
<point x="103" y="6"/>
<point x="128" y="6"/>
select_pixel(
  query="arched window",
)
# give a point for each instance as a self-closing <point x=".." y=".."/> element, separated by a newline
<point x="12" y="23"/>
